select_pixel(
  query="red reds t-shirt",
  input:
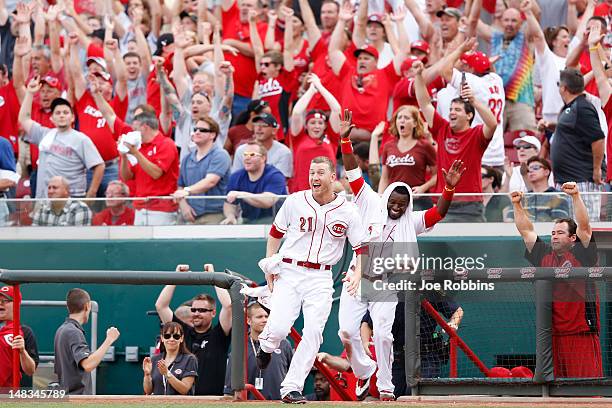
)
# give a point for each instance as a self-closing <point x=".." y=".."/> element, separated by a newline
<point x="321" y="67"/>
<point x="162" y="152"/>
<point x="585" y="67"/>
<point x="6" y="355"/>
<point x="575" y="303"/>
<point x="93" y="124"/>
<point x="468" y="146"/>
<point x="105" y="217"/>
<point x="233" y="28"/>
<point x="409" y="166"/>
<point x="403" y="93"/>
<point x="608" y="112"/>
<point x="305" y="148"/>
<point x="367" y="95"/>
<point x="9" y="111"/>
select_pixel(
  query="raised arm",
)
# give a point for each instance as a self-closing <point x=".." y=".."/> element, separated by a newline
<point x="103" y="106"/>
<point x="4" y="15"/>
<point x="288" y="61"/>
<point x="258" y="48"/>
<point x="359" y="29"/>
<point x="54" y="37"/>
<point x="162" y="304"/>
<point x="312" y="30"/>
<point x="332" y="102"/>
<point x="573" y="56"/>
<point x="422" y="95"/>
<point x="581" y="213"/>
<point x="603" y="86"/>
<point x="271" y="31"/>
<point x="426" y="28"/>
<point x="335" y="53"/>
<point x="180" y="75"/>
<point x="22" y="48"/>
<point x="112" y="47"/>
<point x="25" y="112"/>
<point x="534" y="31"/>
<point x="225" y="315"/>
<point x="475" y="25"/>
<point x="76" y="71"/>
<point x="572" y="17"/>
<point x="488" y="118"/>
<point x="297" y="115"/>
<point x="521" y="220"/>
<point x="398" y="17"/>
<point x="451" y="178"/>
<point x="142" y="45"/>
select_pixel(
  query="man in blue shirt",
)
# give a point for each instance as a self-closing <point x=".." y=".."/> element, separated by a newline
<point x="204" y="171"/>
<point x="254" y="189"/>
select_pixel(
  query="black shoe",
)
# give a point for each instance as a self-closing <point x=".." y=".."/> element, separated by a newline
<point x="263" y="359"/>
<point x="294" y="397"/>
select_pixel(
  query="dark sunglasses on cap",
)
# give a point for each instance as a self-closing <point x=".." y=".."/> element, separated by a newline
<point x="201" y="130"/>
<point x="201" y="310"/>
<point x="175" y="336"/>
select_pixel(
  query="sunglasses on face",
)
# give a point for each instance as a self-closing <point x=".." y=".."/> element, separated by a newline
<point x="524" y="147"/>
<point x="534" y="168"/>
<point x="265" y="64"/>
<point x="251" y="154"/>
<point x="200" y="310"/>
<point x="175" y="336"/>
<point x="201" y="130"/>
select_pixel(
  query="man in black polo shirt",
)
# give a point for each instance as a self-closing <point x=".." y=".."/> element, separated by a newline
<point x="209" y="343"/>
<point x="577" y="146"/>
<point x="575" y="306"/>
<point x="74" y="362"/>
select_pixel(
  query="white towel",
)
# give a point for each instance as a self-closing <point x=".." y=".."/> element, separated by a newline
<point x="271" y="265"/>
<point x="262" y="293"/>
<point x="133" y="138"/>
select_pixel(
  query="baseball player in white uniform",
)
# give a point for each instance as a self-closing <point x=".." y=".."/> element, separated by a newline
<point x="315" y="224"/>
<point x="488" y="88"/>
<point x="390" y="220"/>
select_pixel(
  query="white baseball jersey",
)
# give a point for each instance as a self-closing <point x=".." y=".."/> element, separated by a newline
<point x="488" y="90"/>
<point x="316" y="233"/>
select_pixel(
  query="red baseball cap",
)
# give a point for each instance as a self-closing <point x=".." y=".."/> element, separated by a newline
<point x="7" y="292"/>
<point x="370" y="49"/>
<point x="408" y="63"/>
<point x="420" y="45"/>
<point x="499" y="372"/>
<point x="52" y="80"/>
<point x="478" y="61"/>
<point x="376" y="18"/>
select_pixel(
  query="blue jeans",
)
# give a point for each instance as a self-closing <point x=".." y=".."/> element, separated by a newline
<point x="240" y="104"/>
<point x="111" y="173"/>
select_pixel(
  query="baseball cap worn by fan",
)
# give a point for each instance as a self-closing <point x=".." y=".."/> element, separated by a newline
<point x="478" y="61"/>
<point x="527" y="138"/>
<point x="408" y="63"/>
<point x="450" y="11"/>
<point x="162" y="41"/>
<point x="105" y="76"/>
<point x="8" y="292"/>
<point x="369" y="49"/>
<point x="267" y="119"/>
<point x="376" y="18"/>
<point x="52" y="80"/>
<point x="95" y="54"/>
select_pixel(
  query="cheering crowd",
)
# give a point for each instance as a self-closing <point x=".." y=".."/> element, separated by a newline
<point x="174" y="101"/>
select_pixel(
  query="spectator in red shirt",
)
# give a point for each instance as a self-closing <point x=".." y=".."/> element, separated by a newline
<point x="236" y="32"/>
<point x="155" y="172"/>
<point x="313" y="134"/>
<point x="409" y="156"/>
<point x="365" y="90"/>
<point x="458" y="141"/>
<point x="90" y="119"/>
<point x="275" y="71"/>
<point x="243" y="129"/>
<point x="117" y="211"/>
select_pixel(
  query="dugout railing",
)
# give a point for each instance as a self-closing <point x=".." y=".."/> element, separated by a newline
<point x="222" y="280"/>
<point x="543" y="382"/>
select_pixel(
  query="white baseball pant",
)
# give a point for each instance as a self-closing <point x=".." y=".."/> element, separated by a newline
<point x="351" y="312"/>
<point x="311" y="291"/>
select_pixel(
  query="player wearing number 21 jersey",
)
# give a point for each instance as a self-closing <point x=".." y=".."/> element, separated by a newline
<point x="315" y="224"/>
<point x="488" y="88"/>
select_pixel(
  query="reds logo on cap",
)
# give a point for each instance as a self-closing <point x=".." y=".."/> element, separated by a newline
<point x="337" y="228"/>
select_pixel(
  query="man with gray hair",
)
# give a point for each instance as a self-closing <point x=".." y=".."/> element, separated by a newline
<point x="61" y="210"/>
<point x="117" y="211"/>
<point x="154" y="167"/>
